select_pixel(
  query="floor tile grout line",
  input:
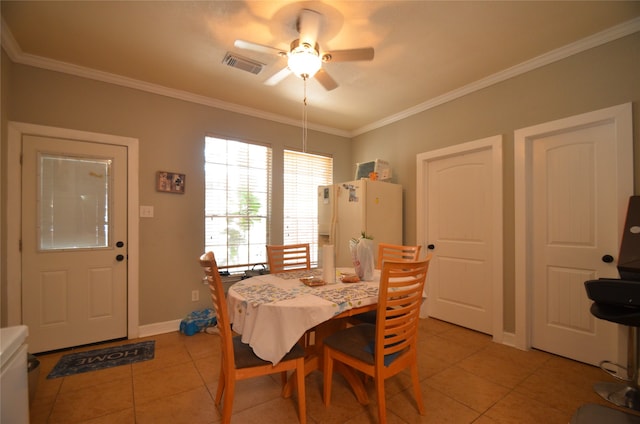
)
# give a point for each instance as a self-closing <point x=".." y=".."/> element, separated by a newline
<point x="197" y="353"/>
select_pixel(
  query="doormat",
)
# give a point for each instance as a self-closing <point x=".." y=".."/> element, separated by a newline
<point x="99" y="359"/>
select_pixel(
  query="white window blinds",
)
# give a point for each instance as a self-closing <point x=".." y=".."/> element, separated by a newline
<point x="237" y="201"/>
<point x="303" y="173"/>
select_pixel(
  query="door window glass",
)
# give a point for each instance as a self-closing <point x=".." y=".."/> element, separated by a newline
<point x="73" y="202"/>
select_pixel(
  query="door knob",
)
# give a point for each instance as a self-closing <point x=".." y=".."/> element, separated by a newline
<point x="607" y="259"/>
<point x="120" y="258"/>
<point x="431" y="246"/>
<point x="120" y="244"/>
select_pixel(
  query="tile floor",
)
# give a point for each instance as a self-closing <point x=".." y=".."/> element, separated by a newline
<point x="466" y="378"/>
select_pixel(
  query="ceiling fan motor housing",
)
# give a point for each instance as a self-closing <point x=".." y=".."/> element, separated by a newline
<point x="304" y="60"/>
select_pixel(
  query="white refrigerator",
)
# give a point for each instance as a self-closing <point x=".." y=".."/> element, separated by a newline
<point x="345" y="210"/>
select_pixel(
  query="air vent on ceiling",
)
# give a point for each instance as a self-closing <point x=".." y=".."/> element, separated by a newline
<point x="237" y="61"/>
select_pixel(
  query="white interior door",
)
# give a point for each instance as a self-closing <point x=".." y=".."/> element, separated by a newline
<point x="461" y="212"/>
<point x="577" y="197"/>
<point x="74" y="242"/>
<point x="574" y="225"/>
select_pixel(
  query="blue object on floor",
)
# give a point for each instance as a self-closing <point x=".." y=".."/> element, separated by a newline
<point x="197" y="321"/>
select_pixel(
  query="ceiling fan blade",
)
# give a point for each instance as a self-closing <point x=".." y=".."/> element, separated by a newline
<point x="260" y="48"/>
<point x="325" y="80"/>
<point x="308" y="26"/>
<point x="278" y="77"/>
<point x="365" y="53"/>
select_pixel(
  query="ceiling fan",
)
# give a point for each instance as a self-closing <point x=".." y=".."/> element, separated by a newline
<point x="305" y="57"/>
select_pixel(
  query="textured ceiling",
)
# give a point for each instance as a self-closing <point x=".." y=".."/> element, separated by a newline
<point x="424" y="50"/>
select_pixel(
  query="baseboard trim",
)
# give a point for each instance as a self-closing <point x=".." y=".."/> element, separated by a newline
<point x="509" y="339"/>
<point x="159" y="328"/>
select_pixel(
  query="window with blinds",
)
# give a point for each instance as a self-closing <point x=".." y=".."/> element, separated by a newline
<point x="303" y="173"/>
<point x="237" y="201"/>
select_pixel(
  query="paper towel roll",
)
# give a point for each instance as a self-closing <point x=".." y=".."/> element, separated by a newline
<point x="328" y="264"/>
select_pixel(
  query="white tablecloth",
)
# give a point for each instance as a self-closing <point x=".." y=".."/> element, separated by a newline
<point x="272" y="312"/>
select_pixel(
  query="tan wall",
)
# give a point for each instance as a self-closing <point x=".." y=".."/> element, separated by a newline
<point x="171" y="137"/>
<point x="601" y="77"/>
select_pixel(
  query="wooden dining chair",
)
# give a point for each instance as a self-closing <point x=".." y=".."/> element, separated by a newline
<point x="396" y="252"/>
<point x="238" y="361"/>
<point x="287" y="258"/>
<point x="388" y="252"/>
<point x="391" y="345"/>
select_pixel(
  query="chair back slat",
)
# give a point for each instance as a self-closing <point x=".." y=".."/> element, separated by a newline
<point x="396" y="253"/>
<point x="287" y="258"/>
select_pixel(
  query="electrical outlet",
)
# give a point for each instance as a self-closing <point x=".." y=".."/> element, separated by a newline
<point x="195" y="295"/>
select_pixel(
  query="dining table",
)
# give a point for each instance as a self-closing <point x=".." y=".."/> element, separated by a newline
<point x="272" y="312"/>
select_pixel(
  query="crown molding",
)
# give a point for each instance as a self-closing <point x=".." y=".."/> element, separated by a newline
<point x="18" y="56"/>
<point x="595" y="40"/>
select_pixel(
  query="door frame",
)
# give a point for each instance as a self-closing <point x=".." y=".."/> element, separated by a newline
<point x="14" y="213"/>
<point x="494" y="144"/>
<point x="621" y="117"/>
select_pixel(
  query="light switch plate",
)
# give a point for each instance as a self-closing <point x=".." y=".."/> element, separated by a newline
<point x="146" y="211"/>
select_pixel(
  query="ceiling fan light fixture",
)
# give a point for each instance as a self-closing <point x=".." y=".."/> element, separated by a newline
<point x="304" y="60"/>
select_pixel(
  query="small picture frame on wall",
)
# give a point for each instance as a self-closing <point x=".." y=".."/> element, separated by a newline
<point x="170" y="182"/>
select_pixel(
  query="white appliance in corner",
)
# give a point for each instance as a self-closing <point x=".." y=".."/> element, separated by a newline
<point x="345" y="210"/>
<point x="14" y="383"/>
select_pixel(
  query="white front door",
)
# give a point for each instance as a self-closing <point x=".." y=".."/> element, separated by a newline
<point x="575" y="208"/>
<point x="461" y="212"/>
<point x="74" y="242"/>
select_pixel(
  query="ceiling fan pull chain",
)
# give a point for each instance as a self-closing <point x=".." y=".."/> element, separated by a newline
<point x="304" y="118"/>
